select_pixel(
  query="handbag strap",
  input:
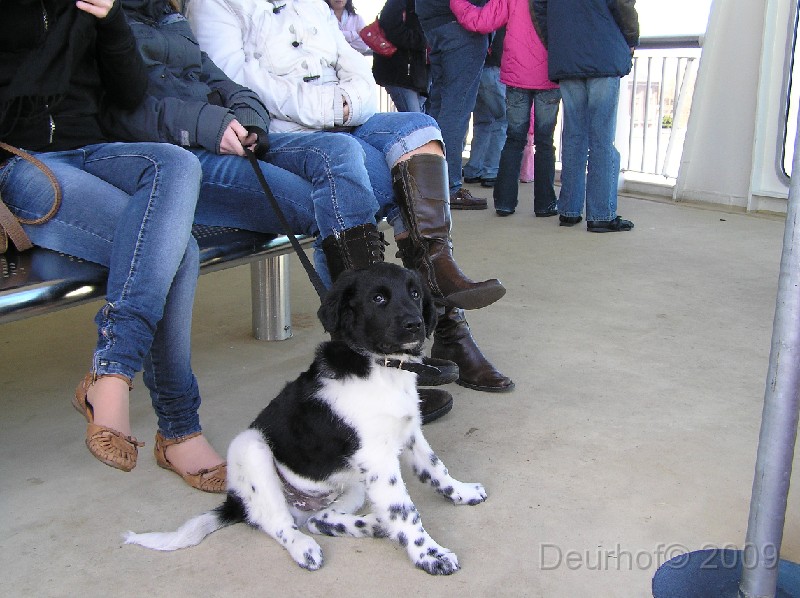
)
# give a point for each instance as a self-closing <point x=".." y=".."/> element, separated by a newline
<point x="319" y="286"/>
<point x="9" y="223"/>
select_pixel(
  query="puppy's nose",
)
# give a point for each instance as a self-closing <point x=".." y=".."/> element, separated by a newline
<point x="413" y="325"/>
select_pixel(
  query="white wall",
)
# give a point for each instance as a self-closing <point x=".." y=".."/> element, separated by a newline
<point x="731" y="147"/>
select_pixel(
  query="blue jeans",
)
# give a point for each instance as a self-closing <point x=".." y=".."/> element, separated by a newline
<point x="129" y="207"/>
<point x="350" y="173"/>
<point x="457" y="57"/>
<point x="518" y="111"/>
<point x="488" y="126"/>
<point x="590" y="123"/>
<point x="405" y="99"/>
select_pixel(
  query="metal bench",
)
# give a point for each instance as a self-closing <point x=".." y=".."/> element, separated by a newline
<point x="40" y="281"/>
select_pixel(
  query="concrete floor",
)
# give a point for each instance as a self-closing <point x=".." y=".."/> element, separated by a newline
<point x="639" y="359"/>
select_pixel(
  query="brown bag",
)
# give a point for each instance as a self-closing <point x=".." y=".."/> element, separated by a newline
<point x="375" y="38"/>
<point x="9" y="223"/>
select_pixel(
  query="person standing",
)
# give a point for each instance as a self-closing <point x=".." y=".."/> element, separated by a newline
<point x="405" y="74"/>
<point x="457" y="57"/>
<point x="488" y="118"/>
<point x="524" y="71"/>
<point x="350" y="23"/>
<point x="590" y="46"/>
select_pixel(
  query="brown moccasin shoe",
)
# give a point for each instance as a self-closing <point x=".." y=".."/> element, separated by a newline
<point x="107" y="445"/>
<point x="207" y="480"/>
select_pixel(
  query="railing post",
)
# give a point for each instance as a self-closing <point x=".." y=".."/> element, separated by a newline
<point x="779" y="418"/>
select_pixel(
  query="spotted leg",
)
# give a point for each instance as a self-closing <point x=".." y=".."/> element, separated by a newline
<point x="252" y="477"/>
<point x="429" y="468"/>
<point x="397" y="517"/>
<point x="338" y="519"/>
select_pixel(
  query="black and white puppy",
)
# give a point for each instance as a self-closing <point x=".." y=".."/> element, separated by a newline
<point x="332" y="440"/>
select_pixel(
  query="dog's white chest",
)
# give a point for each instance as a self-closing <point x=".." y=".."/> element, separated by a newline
<point x="386" y="401"/>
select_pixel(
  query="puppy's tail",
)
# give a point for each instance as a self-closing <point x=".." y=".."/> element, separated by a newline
<point x="190" y="533"/>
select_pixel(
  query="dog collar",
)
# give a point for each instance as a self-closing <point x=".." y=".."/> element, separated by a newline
<point x="409" y="366"/>
<point x="306" y="501"/>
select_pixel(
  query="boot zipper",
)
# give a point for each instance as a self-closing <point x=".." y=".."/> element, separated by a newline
<point x="52" y="124"/>
<point x="45" y="20"/>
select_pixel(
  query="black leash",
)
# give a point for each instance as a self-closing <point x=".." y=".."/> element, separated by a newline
<point x="319" y="286"/>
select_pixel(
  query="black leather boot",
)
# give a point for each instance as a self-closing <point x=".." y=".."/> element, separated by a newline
<point x="453" y="341"/>
<point x="353" y="249"/>
<point x="421" y="192"/>
<point x="434" y="403"/>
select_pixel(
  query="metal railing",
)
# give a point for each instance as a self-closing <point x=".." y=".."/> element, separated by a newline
<point x="655" y="101"/>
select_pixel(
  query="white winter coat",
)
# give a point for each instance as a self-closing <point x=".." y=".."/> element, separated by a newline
<point x="293" y="55"/>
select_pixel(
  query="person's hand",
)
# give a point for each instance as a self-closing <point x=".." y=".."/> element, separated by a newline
<point x="236" y="138"/>
<point x="97" y="8"/>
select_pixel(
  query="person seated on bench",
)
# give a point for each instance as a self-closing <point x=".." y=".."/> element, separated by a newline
<point x="192" y="102"/>
<point x="127" y="206"/>
<point x="293" y="55"/>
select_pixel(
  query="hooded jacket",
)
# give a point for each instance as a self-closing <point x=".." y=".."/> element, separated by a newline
<point x="587" y="38"/>
<point x="293" y="55"/>
<point x="190" y="101"/>
<point x="524" y="60"/>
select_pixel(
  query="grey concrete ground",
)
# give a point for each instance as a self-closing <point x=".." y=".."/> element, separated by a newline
<point x="640" y="361"/>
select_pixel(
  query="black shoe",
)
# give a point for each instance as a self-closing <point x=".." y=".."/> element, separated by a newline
<point x="447" y="372"/>
<point x="472" y="180"/>
<point x="488" y="182"/>
<point x="609" y="226"/>
<point x="569" y="220"/>
<point x="503" y="213"/>
<point x="546" y="213"/>
<point x="434" y="403"/>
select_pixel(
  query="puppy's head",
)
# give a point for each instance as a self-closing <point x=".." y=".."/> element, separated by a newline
<point x="384" y="309"/>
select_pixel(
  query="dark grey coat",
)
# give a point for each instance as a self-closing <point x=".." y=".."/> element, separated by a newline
<point x="190" y="101"/>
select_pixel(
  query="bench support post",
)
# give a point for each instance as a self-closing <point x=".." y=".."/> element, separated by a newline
<point x="270" y="293"/>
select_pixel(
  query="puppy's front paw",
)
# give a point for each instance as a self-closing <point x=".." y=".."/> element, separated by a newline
<point x="306" y="552"/>
<point x="465" y="493"/>
<point x="438" y="561"/>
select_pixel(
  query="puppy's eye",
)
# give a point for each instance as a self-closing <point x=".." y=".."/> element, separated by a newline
<point x="415" y="294"/>
<point x="378" y="298"/>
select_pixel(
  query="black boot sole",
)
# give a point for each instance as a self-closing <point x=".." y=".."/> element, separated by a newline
<point x="448" y="372"/>
<point x="474" y="298"/>
<point x="508" y="388"/>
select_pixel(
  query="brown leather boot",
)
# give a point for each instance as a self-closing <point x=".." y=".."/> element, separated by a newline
<point x="353" y="249"/>
<point x="421" y="192"/>
<point x="453" y="341"/>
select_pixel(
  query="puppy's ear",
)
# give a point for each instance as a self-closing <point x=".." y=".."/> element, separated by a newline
<point x="335" y="302"/>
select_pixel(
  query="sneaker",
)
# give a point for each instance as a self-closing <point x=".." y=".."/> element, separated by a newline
<point x="609" y="226"/>
<point x="569" y="220"/>
<point x="464" y="200"/>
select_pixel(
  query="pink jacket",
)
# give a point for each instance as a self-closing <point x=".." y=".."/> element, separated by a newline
<point x="524" y="62"/>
